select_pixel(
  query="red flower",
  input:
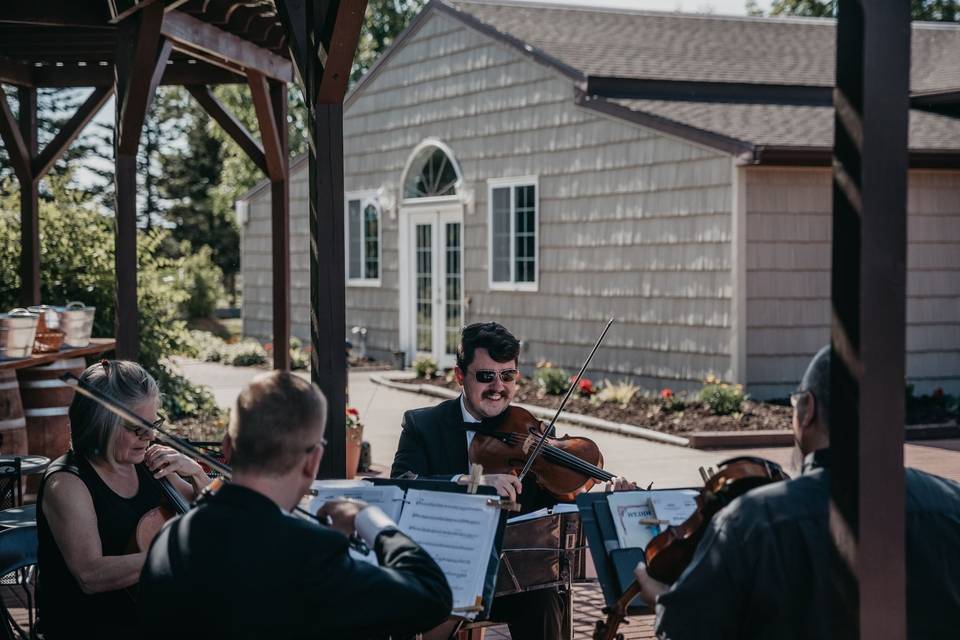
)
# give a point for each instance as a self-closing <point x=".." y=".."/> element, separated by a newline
<point x="352" y="412"/>
<point x="268" y="346"/>
<point x="666" y="394"/>
<point x="586" y="387"/>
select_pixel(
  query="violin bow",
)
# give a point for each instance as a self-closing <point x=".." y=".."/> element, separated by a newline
<point x="549" y="428"/>
<point x="169" y="439"/>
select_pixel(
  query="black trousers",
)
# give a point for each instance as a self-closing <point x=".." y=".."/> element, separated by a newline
<point x="533" y="615"/>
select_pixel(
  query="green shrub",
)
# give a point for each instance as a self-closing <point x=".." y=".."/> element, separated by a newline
<point x="619" y="392"/>
<point x="206" y="346"/>
<point x="425" y="367"/>
<point x="553" y="381"/>
<point x="77" y="263"/>
<point x="246" y="353"/>
<point x="721" y="398"/>
<point x="672" y="402"/>
<point x="202" y="280"/>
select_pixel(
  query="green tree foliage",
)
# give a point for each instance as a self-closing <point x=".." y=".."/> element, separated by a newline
<point x="383" y="21"/>
<point x="933" y="10"/>
<point x="77" y="263"/>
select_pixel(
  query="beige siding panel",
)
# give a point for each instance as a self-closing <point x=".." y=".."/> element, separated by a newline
<point x="788" y="277"/>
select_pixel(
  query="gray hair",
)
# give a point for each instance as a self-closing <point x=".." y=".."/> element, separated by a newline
<point x="92" y="426"/>
<point x="816" y="380"/>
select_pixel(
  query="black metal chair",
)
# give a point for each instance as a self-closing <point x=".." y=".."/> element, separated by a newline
<point x="18" y="560"/>
<point x="11" y="485"/>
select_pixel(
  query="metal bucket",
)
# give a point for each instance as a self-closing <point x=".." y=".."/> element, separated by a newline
<point x="76" y="322"/>
<point x="17" y="330"/>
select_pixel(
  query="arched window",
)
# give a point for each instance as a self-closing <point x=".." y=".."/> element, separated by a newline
<point x="431" y="172"/>
<point x="363" y="239"/>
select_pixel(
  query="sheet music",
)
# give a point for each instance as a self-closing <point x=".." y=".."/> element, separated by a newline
<point x="457" y="530"/>
<point x="675" y="506"/>
<point x="387" y="497"/>
<point x="634" y="511"/>
<point x="563" y="507"/>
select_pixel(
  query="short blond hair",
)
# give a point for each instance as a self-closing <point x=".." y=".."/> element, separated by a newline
<point x="274" y="423"/>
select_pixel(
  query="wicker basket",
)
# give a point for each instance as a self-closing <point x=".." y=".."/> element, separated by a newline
<point x="48" y="341"/>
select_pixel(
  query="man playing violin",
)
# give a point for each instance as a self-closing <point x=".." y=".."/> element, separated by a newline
<point x="435" y="441"/>
<point x="763" y="568"/>
<point x="240" y="565"/>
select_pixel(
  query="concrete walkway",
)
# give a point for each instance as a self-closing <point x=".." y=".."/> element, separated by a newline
<point x="381" y="409"/>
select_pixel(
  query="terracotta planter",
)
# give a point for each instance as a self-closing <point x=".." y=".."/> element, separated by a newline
<point x="354" y="442"/>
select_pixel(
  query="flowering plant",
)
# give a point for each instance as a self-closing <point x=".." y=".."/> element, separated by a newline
<point x="354" y="426"/>
<point x="671" y="401"/>
<point x="585" y="387"/>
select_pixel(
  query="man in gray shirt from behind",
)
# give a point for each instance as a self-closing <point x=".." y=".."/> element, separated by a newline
<point x="764" y="567"/>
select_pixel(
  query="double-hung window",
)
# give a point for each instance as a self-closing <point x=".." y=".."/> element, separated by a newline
<point x="362" y="230"/>
<point x="512" y="205"/>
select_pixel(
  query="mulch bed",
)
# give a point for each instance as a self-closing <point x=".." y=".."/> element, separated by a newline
<point x="648" y="412"/>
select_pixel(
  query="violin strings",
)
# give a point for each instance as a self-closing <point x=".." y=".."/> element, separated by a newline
<point x="559" y="455"/>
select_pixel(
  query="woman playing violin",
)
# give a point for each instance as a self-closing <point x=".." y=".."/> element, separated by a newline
<point x="91" y="502"/>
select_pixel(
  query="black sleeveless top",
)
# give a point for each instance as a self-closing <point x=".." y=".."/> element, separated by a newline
<point x="64" y="610"/>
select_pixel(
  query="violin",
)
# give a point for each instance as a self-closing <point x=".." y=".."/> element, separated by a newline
<point x="669" y="553"/>
<point x="566" y="466"/>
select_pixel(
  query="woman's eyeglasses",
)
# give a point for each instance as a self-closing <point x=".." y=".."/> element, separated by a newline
<point x="486" y="376"/>
<point x="139" y="431"/>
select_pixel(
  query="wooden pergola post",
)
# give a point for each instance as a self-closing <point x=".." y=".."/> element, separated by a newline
<point x="141" y="60"/>
<point x="29" y="201"/>
<point x="323" y="39"/>
<point x="870" y="159"/>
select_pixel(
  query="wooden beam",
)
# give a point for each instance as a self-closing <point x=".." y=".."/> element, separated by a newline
<point x="868" y="332"/>
<point x="65" y="137"/>
<point x="29" y="203"/>
<point x="269" y="131"/>
<point x="137" y="64"/>
<point x="340" y="49"/>
<point x="129" y="11"/>
<point x="280" y="210"/>
<point x="57" y="13"/>
<point x="293" y="15"/>
<point x="177" y="73"/>
<point x="13" y="141"/>
<point x="193" y="35"/>
<point x="12" y="72"/>
<point x="229" y="123"/>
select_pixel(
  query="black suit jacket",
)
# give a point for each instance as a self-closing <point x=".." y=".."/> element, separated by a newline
<point x="236" y="566"/>
<point x="433" y="445"/>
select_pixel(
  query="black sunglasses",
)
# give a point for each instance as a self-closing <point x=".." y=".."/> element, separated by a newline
<point x="142" y="431"/>
<point x="486" y="376"/>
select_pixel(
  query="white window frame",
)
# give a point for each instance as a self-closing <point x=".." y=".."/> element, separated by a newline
<point x="365" y="198"/>
<point x="512" y="284"/>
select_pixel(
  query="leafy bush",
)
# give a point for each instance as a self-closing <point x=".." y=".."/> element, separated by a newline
<point x="246" y="353"/>
<point x="720" y="397"/>
<point x="620" y="392"/>
<point x="553" y="381"/>
<point x="425" y="367"/>
<point x="202" y="280"/>
<point x="77" y="263"/>
<point x="206" y="346"/>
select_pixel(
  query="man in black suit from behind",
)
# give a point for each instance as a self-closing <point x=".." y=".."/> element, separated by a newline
<point x="434" y="444"/>
<point x="240" y="565"/>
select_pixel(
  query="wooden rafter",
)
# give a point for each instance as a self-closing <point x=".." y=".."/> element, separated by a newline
<point x="229" y="123"/>
<point x="269" y="131"/>
<point x="13" y="140"/>
<point x="65" y="137"/>
<point x="175" y="73"/>
<point x="220" y="47"/>
<point x="13" y="72"/>
<point x="136" y="84"/>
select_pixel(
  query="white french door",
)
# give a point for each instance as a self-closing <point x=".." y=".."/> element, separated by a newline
<point x="434" y="282"/>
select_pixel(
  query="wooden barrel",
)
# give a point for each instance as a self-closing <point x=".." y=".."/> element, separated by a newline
<point x="13" y="426"/>
<point x="46" y="403"/>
